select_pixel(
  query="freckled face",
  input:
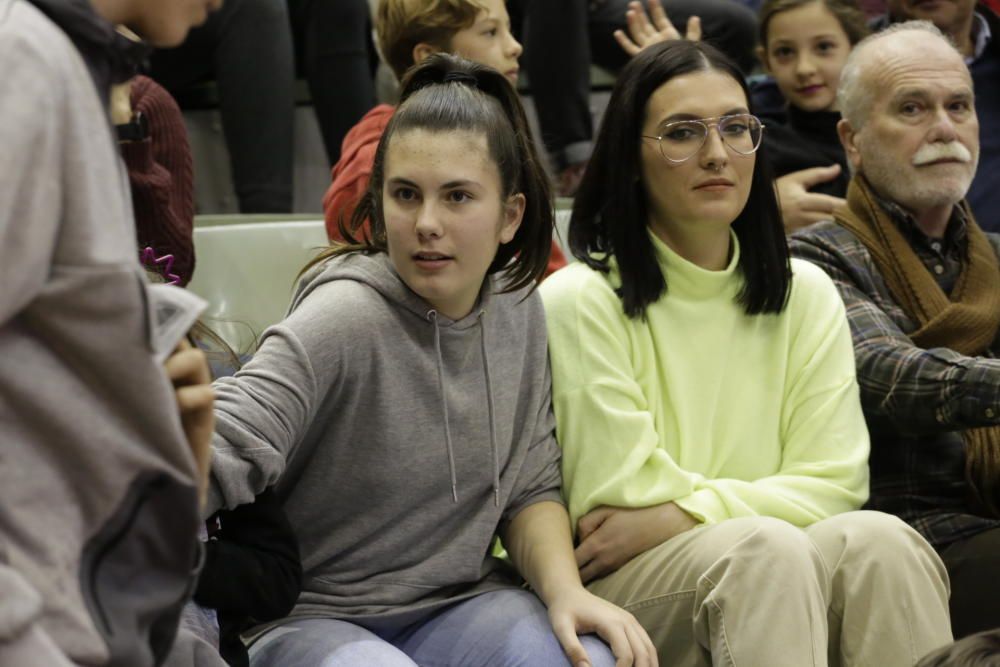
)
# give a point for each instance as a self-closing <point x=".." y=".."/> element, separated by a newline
<point x="445" y="215"/>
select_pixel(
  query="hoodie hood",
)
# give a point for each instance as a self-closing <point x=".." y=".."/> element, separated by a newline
<point x="376" y="271"/>
<point x="110" y="57"/>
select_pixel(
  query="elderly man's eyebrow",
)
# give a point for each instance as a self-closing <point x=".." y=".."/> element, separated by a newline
<point x="923" y="93"/>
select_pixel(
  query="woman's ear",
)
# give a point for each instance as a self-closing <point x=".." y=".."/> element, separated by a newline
<point x="423" y="51"/>
<point x="513" y="213"/>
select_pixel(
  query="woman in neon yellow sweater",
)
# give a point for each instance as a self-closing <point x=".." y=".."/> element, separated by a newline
<point x="714" y="448"/>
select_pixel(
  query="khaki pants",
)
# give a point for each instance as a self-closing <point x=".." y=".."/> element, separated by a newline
<point x="860" y="588"/>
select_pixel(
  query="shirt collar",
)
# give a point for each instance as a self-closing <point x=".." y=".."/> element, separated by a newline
<point x="954" y="233"/>
<point x="981" y="36"/>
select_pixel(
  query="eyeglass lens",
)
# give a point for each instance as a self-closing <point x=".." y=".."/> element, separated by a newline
<point x="682" y="139"/>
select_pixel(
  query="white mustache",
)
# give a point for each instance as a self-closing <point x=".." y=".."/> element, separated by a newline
<point x="953" y="150"/>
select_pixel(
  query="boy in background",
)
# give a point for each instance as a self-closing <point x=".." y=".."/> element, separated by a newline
<point x="409" y="31"/>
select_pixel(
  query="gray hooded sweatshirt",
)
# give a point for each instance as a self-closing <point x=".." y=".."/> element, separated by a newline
<point x="98" y="506"/>
<point x="399" y="439"/>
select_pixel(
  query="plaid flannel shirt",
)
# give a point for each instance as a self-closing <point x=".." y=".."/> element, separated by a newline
<point x="916" y="401"/>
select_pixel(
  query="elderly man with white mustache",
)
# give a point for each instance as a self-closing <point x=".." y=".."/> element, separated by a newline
<point x="921" y="283"/>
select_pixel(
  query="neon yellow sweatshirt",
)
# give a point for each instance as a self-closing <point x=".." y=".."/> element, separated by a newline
<point x="723" y="413"/>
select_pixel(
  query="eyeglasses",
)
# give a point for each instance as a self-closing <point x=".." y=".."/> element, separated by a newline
<point x="681" y="140"/>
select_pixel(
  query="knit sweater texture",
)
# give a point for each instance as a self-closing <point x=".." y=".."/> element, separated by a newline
<point x="161" y="177"/>
<point x="726" y="414"/>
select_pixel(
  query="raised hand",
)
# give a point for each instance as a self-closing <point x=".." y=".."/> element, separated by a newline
<point x="653" y="27"/>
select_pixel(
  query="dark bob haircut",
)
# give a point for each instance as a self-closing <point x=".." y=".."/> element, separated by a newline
<point x="610" y="217"/>
<point x="445" y="94"/>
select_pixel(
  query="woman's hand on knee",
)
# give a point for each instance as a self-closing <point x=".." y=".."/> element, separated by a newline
<point x="577" y="611"/>
<point x="612" y="536"/>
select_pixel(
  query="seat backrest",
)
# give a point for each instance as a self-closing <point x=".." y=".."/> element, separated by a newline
<point x="247" y="273"/>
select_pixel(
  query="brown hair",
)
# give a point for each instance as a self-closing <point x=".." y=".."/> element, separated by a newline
<point x="848" y="14"/>
<point x="402" y="24"/>
<point x="978" y="650"/>
<point x="443" y="94"/>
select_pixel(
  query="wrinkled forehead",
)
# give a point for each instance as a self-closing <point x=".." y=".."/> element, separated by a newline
<point x="913" y="61"/>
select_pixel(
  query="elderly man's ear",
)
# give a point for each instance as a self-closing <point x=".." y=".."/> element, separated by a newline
<point x="849" y="138"/>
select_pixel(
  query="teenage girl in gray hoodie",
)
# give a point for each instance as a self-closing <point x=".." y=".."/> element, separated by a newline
<point x="402" y="411"/>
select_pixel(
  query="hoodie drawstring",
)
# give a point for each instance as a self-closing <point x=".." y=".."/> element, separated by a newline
<point x="494" y="450"/>
<point x="432" y="315"/>
<point x="493" y="423"/>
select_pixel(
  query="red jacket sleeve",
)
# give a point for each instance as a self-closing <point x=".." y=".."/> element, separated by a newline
<point x="353" y="171"/>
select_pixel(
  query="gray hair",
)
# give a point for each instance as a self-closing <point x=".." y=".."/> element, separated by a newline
<point x="855" y="100"/>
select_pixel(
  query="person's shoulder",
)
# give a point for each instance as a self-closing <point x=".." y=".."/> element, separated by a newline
<point x="335" y="295"/>
<point x="30" y="39"/>
<point x="809" y="280"/>
<point x="380" y="114"/>
<point x="369" y="129"/>
<point x="577" y="290"/>
<point x="823" y="239"/>
<point x="357" y="157"/>
<point x="814" y="301"/>
<point x="575" y="281"/>
<point x="151" y="98"/>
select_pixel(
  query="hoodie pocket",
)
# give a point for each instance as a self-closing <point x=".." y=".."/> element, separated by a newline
<point x="139" y="570"/>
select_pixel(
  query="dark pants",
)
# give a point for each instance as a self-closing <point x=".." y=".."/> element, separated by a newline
<point x="562" y="37"/>
<point x="335" y="54"/>
<point x="247" y="48"/>
<point x="974" y="568"/>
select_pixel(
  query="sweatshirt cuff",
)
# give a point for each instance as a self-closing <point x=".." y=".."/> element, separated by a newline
<point x="704" y="505"/>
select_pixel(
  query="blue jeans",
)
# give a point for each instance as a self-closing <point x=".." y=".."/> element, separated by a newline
<point x="508" y="628"/>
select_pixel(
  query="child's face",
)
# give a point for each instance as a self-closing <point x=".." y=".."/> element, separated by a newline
<point x="165" y="23"/>
<point x="445" y="215"/>
<point x="489" y="41"/>
<point x="806" y="51"/>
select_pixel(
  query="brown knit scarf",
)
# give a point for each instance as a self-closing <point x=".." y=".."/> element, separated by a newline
<point x="967" y="321"/>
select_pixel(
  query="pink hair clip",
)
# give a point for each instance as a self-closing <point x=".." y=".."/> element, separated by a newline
<point x="163" y="265"/>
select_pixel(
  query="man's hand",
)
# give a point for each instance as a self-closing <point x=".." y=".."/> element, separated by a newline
<point x="801" y="208"/>
<point x="652" y="28"/>
<point x="188" y="370"/>
<point x="577" y="611"/>
<point x="612" y="536"/>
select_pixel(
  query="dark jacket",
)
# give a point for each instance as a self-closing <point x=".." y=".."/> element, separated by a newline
<point x="805" y="140"/>
<point x="252" y="572"/>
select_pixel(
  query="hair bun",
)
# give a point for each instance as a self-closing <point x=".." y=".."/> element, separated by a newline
<point x="459" y="76"/>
